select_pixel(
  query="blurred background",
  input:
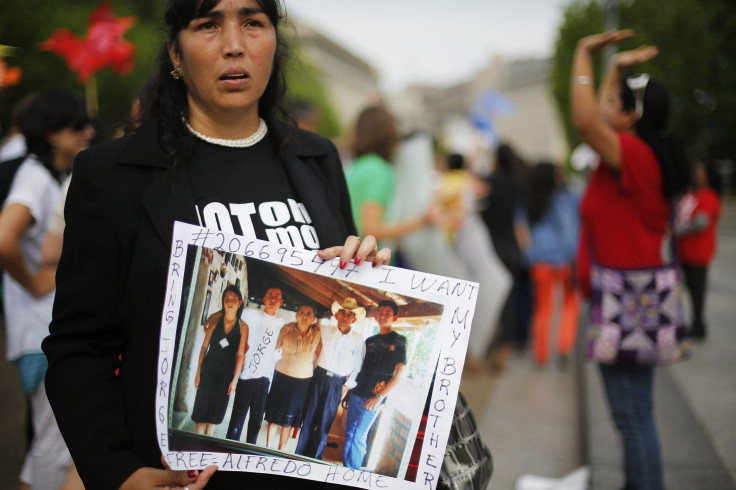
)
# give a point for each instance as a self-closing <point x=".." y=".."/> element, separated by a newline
<point x="500" y="68"/>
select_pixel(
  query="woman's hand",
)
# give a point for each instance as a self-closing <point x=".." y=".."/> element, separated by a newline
<point x="635" y="56"/>
<point x="367" y="250"/>
<point x="232" y="386"/>
<point x="167" y="479"/>
<point x="196" y="381"/>
<point x="596" y="42"/>
<point x="372" y="403"/>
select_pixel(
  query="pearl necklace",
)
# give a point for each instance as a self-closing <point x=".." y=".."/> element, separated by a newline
<point x="241" y="143"/>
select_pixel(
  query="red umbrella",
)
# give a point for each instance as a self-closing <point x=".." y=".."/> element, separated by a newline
<point x="102" y="46"/>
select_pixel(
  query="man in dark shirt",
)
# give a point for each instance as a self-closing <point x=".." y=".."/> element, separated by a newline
<point x="383" y="368"/>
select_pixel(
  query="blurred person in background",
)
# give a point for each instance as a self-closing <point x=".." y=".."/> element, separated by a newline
<point x="371" y="179"/>
<point x="14" y="144"/>
<point x="625" y="214"/>
<point x="547" y="229"/>
<point x="698" y="213"/>
<point x="211" y="108"/>
<point x="56" y="127"/>
<point x="306" y="114"/>
<point x="506" y="191"/>
<point x="457" y="199"/>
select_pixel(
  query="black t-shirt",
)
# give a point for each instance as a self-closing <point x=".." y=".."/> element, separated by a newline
<point x="246" y="191"/>
<point x="382" y="354"/>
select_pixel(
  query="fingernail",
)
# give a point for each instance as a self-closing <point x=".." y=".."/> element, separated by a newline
<point x="343" y="264"/>
<point x="192" y="473"/>
<point x="358" y="260"/>
<point x="375" y="264"/>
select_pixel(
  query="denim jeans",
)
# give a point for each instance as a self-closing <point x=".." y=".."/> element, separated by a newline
<point x="629" y="391"/>
<point x="358" y="424"/>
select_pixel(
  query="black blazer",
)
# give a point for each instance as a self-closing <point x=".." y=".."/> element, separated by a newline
<point x="111" y="281"/>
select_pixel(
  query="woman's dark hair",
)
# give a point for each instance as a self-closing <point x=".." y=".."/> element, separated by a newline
<point x="50" y="111"/>
<point x="652" y="128"/>
<point x="233" y="289"/>
<point x="715" y="181"/>
<point x="508" y="162"/>
<point x="455" y="161"/>
<point x="375" y="132"/>
<point x="542" y="185"/>
<point x="165" y="99"/>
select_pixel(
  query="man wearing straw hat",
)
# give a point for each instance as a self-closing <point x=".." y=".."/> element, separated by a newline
<point x="339" y="362"/>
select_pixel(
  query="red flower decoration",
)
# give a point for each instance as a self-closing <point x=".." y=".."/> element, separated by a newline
<point x="103" y="46"/>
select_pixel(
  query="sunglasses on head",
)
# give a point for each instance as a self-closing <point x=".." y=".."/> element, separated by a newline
<point x="638" y="84"/>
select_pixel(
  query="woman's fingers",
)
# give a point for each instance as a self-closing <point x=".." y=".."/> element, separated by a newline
<point x="349" y="251"/>
<point x="182" y="479"/>
<point x="358" y="251"/>
<point x="380" y="257"/>
<point x="636" y="56"/>
<point x="598" y="41"/>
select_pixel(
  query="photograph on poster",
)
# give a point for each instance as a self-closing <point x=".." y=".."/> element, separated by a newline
<point x="283" y="355"/>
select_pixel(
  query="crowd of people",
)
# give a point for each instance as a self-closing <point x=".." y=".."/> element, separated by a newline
<point x="85" y="272"/>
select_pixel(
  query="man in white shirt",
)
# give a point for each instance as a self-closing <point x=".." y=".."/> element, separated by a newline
<point x="338" y="365"/>
<point x="255" y="377"/>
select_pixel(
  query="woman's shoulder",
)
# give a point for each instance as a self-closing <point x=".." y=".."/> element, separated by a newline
<point x="370" y="166"/>
<point x="139" y="148"/>
<point x="305" y="143"/>
<point x="32" y="170"/>
<point x="213" y="319"/>
<point x="635" y="149"/>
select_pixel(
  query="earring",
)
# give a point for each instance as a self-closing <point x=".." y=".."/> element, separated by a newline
<point x="176" y="73"/>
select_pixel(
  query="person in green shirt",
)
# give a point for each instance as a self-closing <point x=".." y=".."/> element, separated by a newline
<point x="371" y="177"/>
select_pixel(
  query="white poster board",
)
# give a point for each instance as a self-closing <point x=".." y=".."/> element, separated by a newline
<point x="435" y="315"/>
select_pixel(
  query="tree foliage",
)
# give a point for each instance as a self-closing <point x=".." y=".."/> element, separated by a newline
<point x="695" y="63"/>
<point x="25" y="24"/>
<point x="306" y="83"/>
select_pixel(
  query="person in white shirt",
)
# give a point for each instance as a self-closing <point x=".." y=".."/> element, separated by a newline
<point x="56" y="127"/>
<point x="338" y="364"/>
<point x="255" y="377"/>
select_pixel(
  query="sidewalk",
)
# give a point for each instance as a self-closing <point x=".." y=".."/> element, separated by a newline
<point x="549" y="422"/>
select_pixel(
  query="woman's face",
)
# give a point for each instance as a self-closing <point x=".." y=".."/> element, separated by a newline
<point x="700" y="176"/>
<point x="69" y="141"/>
<point x="232" y="302"/>
<point x="305" y="316"/>
<point x="614" y="114"/>
<point x="226" y="57"/>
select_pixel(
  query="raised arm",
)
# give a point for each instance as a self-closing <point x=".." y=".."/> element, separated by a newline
<point x="590" y="115"/>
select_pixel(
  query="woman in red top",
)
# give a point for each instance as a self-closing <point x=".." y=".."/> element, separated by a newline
<point x="625" y="215"/>
<point x="697" y="219"/>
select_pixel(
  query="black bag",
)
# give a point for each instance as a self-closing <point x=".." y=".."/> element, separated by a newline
<point x="468" y="464"/>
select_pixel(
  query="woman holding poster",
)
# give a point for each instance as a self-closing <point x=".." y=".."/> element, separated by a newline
<point x="209" y="110"/>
